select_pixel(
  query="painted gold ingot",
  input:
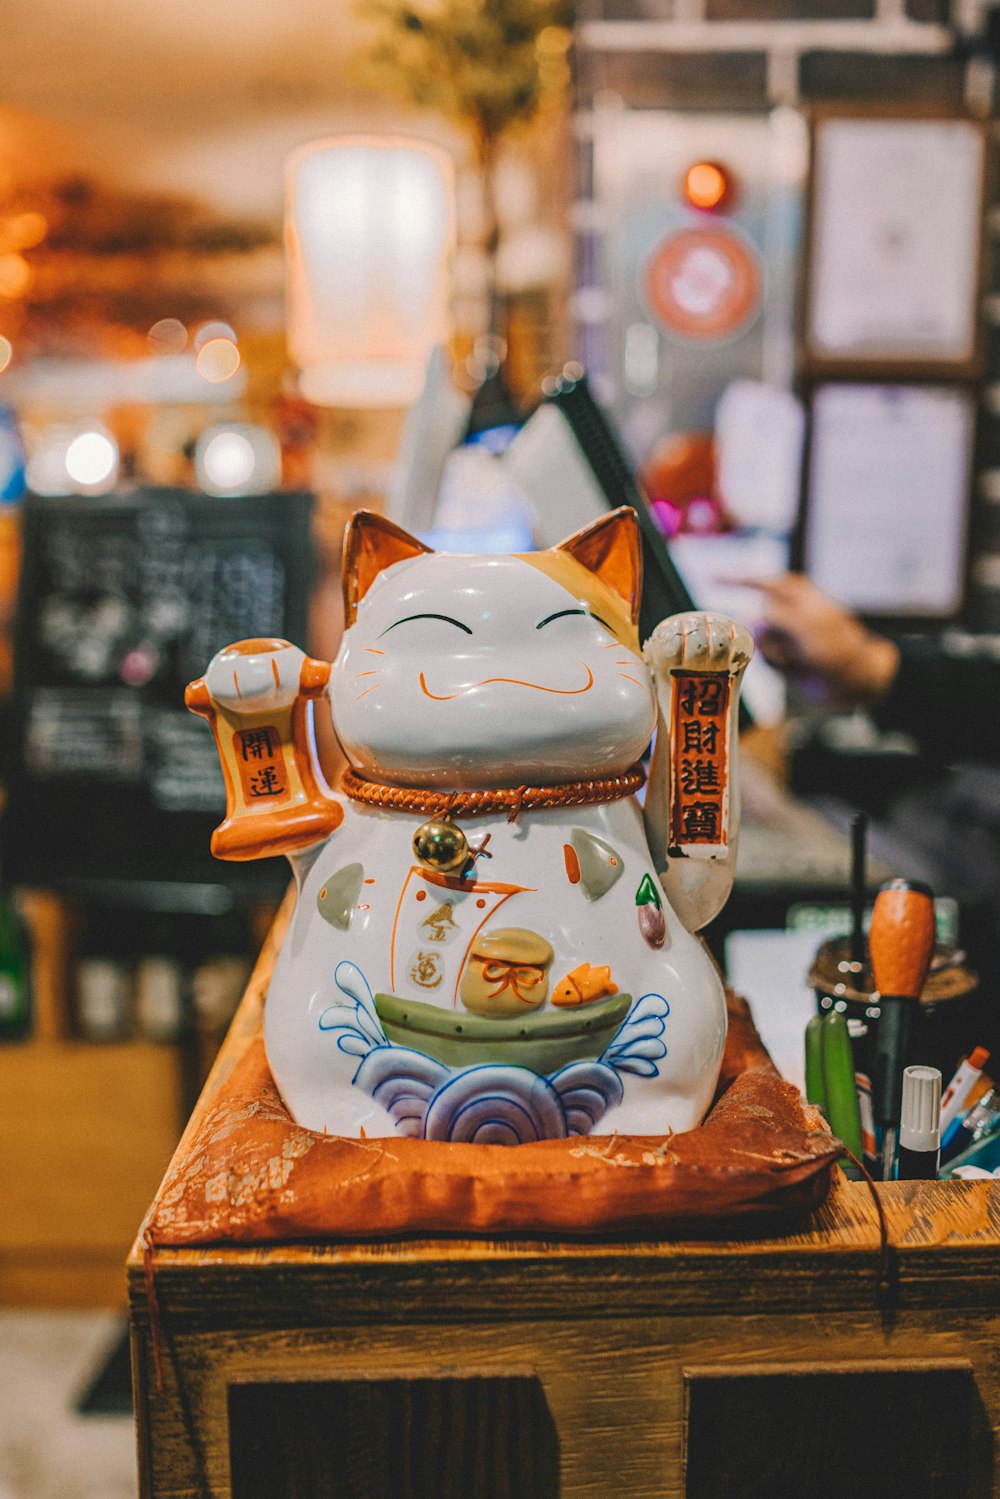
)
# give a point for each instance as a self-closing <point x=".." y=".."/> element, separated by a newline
<point x="441" y="846"/>
<point x="507" y="973"/>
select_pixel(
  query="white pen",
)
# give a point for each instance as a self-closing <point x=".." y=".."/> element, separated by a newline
<point x="958" y="1090"/>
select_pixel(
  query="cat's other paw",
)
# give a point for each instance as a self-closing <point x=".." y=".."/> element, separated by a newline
<point x="255" y="676"/>
<point x="697" y="641"/>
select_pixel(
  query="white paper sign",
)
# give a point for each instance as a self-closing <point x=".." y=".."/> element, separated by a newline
<point x="888" y="496"/>
<point x="758" y="442"/>
<point x="896" y="236"/>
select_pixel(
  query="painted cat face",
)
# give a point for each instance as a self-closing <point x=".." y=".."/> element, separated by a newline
<point x="468" y="672"/>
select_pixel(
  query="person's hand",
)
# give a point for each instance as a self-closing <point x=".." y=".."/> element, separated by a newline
<point x="808" y="634"/>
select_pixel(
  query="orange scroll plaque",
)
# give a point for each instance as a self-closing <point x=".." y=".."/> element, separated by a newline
<point x="277" y="799"/>
<point x="699" y="744"/>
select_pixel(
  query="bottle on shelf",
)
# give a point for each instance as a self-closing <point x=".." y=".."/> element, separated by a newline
<point x="102" y="999"/>
<point x="103" y="980"/>
<point x="15" y="968"/>
<point x="160" y="998"/>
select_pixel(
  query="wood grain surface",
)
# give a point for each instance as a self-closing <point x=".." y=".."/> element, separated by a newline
<point x="606" y="1328"/>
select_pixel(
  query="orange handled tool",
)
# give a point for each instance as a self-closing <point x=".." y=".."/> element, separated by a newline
<point x="901" y="945"/>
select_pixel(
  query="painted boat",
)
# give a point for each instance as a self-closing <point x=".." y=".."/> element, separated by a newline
<point x="544" y="1042"/>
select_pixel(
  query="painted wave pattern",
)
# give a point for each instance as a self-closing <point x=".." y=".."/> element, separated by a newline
<point x="489" y="1104"/>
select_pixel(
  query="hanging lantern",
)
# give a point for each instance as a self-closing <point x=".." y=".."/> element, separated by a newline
<point x="369" y="227"/>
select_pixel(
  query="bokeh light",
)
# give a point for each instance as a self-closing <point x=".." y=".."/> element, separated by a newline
<point x="6" y="353"/>
<point x="79" y="459"/>
<point x="228" y="461"/>
<point x="208" y="331"/>
<point x="23" y="231"/>
<point x="46" y="468"/>
<point x="92" y="460"/>
<point x="218" y="360"/>
<point x="15" y="275"/>
<point x="237" y="459"/>
<point x="168" y="336"/>
<point x="707" y="185"/>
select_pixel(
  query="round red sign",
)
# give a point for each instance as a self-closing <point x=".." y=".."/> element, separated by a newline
<point x="703" y="284"/>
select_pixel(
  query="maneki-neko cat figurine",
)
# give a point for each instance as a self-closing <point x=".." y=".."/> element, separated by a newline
<point x="493" y="938"/>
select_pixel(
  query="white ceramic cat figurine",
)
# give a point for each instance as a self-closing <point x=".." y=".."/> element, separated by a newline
<point x="518" y="970"/>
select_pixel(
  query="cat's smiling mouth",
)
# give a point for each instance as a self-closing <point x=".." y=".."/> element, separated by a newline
<point x="445" y="697"/>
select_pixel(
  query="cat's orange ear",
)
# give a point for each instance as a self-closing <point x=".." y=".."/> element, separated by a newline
<point x="371" y="544"/>
<point x="611" y="548"/>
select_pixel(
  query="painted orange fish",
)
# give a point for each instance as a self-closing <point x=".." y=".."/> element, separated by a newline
<point x="583" y="985"/>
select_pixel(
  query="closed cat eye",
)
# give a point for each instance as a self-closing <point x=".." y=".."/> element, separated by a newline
<point x="446" y="617"/>
<point x="561" y="612"/>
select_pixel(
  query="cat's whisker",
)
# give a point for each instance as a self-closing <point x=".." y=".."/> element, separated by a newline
<point x="631" y="679"/>
<point x="374" y="688"/>
<point x="372" y="650"/>
<point x="373" y="673"/>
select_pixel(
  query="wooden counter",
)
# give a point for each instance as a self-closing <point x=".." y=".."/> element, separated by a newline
<point x="754" y="1365"/>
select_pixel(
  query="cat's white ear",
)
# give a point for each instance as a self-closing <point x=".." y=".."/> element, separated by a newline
<point x="611" y="548"/>
<point x="371" y="544"/>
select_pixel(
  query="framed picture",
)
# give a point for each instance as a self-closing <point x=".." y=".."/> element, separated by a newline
<point x="894" y="245"/>
<point x="887" y="497"/>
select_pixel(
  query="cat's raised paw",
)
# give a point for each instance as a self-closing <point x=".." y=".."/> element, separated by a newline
<point x="255" y="676"/>
<point x="697" y="641"/>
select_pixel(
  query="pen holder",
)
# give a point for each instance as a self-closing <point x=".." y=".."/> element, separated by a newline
<point x="949" y="1018"/>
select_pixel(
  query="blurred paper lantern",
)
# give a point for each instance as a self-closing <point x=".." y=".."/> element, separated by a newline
<point x="369" y="227"/>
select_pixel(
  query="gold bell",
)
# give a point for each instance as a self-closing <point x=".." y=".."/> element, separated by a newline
<point x="441" y="846"/>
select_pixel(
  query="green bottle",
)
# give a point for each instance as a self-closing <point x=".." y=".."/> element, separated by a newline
<point x="15" y="989"/>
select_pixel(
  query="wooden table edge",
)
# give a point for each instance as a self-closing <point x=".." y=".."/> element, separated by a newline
<point x="948" y="1219"/>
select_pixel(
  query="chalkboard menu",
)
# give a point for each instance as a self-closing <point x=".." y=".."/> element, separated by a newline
<point x="123" y="600"/>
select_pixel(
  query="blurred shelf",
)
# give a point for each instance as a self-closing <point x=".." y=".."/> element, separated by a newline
<point x="167" y="897"/>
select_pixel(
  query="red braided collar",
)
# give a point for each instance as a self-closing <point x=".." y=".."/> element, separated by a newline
<point x="509" y="799"/>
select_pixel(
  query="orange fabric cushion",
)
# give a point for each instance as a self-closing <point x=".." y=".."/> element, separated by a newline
<point x="252" y="1174"/>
